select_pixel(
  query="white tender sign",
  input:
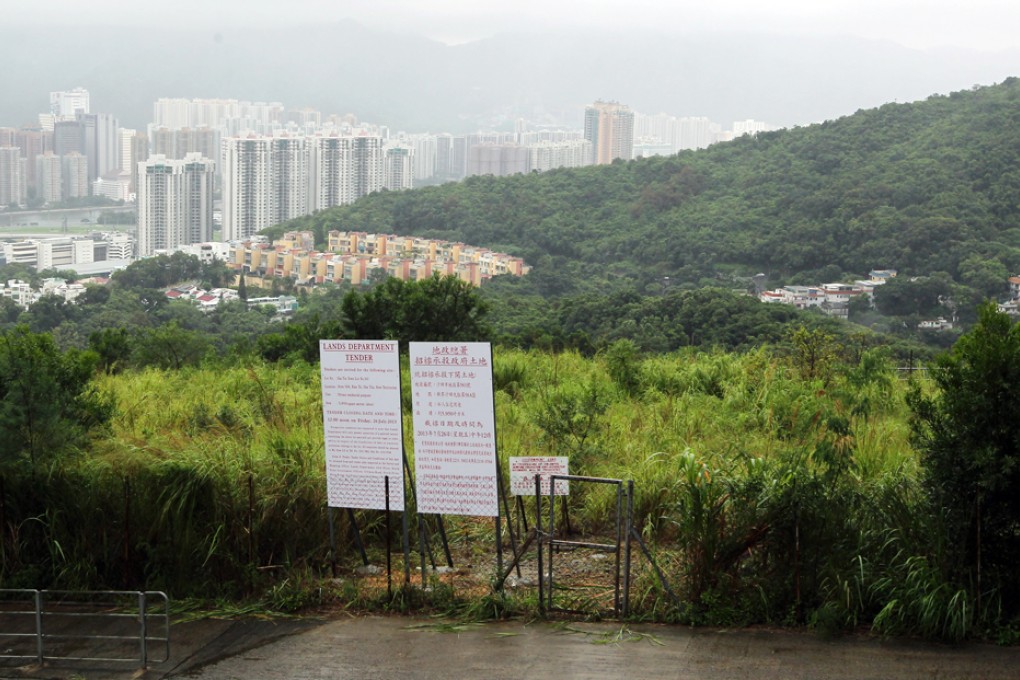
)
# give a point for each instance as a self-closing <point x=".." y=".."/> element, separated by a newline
<point x="362" y="423"/>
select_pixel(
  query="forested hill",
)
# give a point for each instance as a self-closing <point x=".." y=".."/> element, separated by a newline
<point x="923" y="187"/>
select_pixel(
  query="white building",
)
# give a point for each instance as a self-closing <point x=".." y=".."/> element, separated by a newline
<point x="50" y="253"/>
<point x="62" y="289"/>
<point x="175" y="200"/>
<point x="13" y="185"/>
<point x="69" y="103"/>
<point x="424" y="156"/>
<point x="367" y="165"/>
<point x="801" y="297"/>
<point x="119" y="246"/>
<point x="697" y="133"/>
<point x="547" y="155"/>
<point x="18" y="292"/>
<point x="116" y="187"/>
<point x="499" y="160"/>
<point x="344" y="168"/>
<point x="230" y="116"/>
<point x="399" y="167"/>
<point x="207" y="252"/>
<point x="288" y="178"/>
<point x="247" y="172"/>
<point x="750" y="127"/>
<point x="49" y="177"/>
<point x="76" y="175"/>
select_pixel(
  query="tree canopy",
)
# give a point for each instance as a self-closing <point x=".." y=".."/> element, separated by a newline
<point x="968" y="432"/>
<point x="48" y="404"/>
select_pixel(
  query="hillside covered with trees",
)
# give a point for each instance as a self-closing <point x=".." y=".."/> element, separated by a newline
<point x="928" y="188"/>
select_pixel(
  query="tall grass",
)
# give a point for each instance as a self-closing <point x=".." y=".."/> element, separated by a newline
<point x="766" y="491"/>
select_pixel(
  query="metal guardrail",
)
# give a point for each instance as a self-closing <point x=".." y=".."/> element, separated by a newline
<point x="113" y="620"/>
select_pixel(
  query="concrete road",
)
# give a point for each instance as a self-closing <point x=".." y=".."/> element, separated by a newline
<point x="394" y="647"/>
<point x="374" y="647"/>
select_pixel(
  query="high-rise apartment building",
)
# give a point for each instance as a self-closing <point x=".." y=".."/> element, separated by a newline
<point x="247" y="195"/>
<point x="267" y="180"/>
<point x="344" y="168"/>
<point x="179" y="142"/>
<point x="13" y="188"/>
<point x="288" y="177"/>
<point x="134" y="149"/>
<point x="229" y="116"/>
<point x="175" y="202"/>
<point x="444" y="156"/>
<point x="571" y="153"/>
<point x="697" y="133"/>
<point x="67" y="138"/>
<point x="199" y="185"/>
<point x="75" y="171"/>
<point x="424" y="156"/>
<point x="49" y="177"/>
<point x="368" y="165"/>
<point x="750" y="127"/>
<point x="609" y="126"/>
<point x="399" y="167"/>
<point x="99" y="143"/>
<point x="33" y="142"/>
<point x="329" y="180"/>
<point x="499" y="160"/>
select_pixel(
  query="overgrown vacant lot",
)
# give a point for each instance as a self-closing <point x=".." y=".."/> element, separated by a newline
<point x="777" y="489"/>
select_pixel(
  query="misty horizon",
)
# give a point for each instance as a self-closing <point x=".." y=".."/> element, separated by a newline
<point x="414" y="83"/>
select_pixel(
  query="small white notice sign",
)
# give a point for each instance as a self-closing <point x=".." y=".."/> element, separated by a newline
<point x="524" y="469"/>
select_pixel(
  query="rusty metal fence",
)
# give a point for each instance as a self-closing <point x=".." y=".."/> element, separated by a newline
<point x="62" y="625"/>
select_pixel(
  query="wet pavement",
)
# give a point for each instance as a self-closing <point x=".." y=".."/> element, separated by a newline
<point x="391" y="647"/>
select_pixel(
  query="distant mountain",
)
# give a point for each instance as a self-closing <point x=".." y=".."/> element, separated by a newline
<point x="413" y="83"/>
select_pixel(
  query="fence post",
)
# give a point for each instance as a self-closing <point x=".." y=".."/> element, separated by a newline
<point x="38" y="627"/>
<point x="142" y="631"/>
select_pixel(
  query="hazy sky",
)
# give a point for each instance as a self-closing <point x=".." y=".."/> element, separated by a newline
<point x="980" y="24"/>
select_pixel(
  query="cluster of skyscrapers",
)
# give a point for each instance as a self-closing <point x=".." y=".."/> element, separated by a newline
<point x="62" y="156"/>
<point x="261" y="163"/>
<point x="270" y="166"/>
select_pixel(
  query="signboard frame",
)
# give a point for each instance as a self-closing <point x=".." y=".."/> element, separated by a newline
<point x="363" y="431"/>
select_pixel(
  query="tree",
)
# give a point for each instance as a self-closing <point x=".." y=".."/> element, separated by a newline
<point x="47" y="313"/>
<point x="170" y="347"/>
<point x="814" y="352"/>
<point x="439" y="308"/>
<point x="112" y="346"/>
<point x="986" y="275"/>
<point x="374" y="314"/>
<point x="902" y="296"/>
<point x="968" y="433"/>
<point x="47" y="404"/>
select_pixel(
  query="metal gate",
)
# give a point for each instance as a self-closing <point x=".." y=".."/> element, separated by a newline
<point x="105" y="625"/>
<point x="548" y="538"/>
